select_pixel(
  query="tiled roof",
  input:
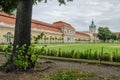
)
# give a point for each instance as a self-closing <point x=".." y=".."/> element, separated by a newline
<point x="35" y="24"/>
<point x="82" y="34"/>
<point x="62" y="24"/>
<point x="7" y="18"/>
<point x="45" y="26"/>
<point x="7" y="15"/>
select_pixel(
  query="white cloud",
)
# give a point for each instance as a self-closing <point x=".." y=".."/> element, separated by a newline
<point x="79" y="13"/>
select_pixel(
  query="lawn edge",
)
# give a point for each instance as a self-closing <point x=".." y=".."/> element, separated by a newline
<point x="107" y="63"/>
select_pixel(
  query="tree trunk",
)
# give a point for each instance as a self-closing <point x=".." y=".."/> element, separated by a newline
<point x="22" y="28"/>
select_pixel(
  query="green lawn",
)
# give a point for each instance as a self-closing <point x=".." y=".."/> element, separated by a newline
<point x="107" y="48"/>
<point x="96" y="51"/>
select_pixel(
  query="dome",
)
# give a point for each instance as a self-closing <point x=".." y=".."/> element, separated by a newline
<point x="92" y="25"/>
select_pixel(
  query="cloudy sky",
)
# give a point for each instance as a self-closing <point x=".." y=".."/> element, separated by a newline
<point x="80" y="13"/>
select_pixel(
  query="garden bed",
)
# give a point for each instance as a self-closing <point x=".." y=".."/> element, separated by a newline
<point x="47" y="68"/>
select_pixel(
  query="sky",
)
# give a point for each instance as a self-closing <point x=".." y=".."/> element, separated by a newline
<point x="80" y="13"/>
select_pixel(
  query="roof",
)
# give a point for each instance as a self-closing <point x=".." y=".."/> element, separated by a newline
<point x="7" y="18"/>
<point x="8" y="15"/>
<point x="34" y="24"/>
<point x="62" y="24"/>
<point x="45" y="26"/>
<point x="82" y="34"/>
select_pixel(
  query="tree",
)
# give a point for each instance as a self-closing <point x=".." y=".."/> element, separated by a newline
<point x="118" y="38"/>
<point x="104" y="33"/>
<point x="113" y="36"/>
<point x="22" y="26"/>
<point x="38" y="37"/>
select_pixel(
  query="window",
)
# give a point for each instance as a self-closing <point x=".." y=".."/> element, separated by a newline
<point x="9" y="35"/>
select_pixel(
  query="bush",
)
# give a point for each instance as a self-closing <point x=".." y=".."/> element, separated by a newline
<point x="87" y="54"/>
<point x="23" y="60"/>
<point x="1" y="48"/>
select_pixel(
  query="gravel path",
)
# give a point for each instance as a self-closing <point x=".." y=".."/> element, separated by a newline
<point x="113" y="73"/>
<point x="108" y="72"/>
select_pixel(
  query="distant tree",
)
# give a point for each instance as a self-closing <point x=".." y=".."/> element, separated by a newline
<point x="38" y="37"/>
<point x="104" y="33"/>
<point x="56" y="39"/>
<point x="22" y="26"/>
<point x="113" y="36"/>
<point x="118" y="38"/>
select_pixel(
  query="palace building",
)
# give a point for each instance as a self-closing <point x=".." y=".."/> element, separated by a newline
<point x="53" y="33"/>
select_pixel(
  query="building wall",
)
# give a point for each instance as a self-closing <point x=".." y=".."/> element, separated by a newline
<point x="55" y="33"/>
<point x="69" y="34"/>
<point x="3" y="32"/>
<point x="5" y="28"/>
<point x="82" y="37"/>
<point x="92" y="30"/>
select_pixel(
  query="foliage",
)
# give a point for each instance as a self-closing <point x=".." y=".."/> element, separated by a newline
<point x="38" y="37"/>
<point x="104" y="33"/>
<point x="72" y="75"/>
<point x="9" y="6"/>
<point x="5" y="36"/>
<point x="113" y="36"/>
<point x="24" y="60"/>
<point x="102" y="52"/>
<point x="2" y="48"/>
<point x="9" y="48"/>
<point x="118" y="37"/>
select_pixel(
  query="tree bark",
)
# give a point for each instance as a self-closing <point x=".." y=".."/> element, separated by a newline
<point x="22" y="28"/>
<point x="23" y="24"/>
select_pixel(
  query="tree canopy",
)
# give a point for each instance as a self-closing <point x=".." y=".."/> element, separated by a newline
<point x="104" y="33"/>
<point x="9" y="6"/>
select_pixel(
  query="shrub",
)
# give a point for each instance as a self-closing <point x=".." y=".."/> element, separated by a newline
<point x="23" y="60"/>
<point x="106" y="57"/>
<point x="9" y="48"/>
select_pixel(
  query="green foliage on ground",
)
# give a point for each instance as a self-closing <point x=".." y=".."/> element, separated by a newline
<point x="108" y="48"/>
<point x="72" y="75"/>
<point x="24" y="60"/>
<point x="101" y="51"/>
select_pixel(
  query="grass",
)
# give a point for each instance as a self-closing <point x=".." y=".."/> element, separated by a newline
<point x="101" y="51"/>
<point x="96" y="51"/>
<point x="107" y="48"/>
<point x="72" y="75"/>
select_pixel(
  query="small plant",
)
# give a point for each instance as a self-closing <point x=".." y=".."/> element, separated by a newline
<point x="25" y="60"/>
<point x="72" y="75"/>
<point x="2" y="48"/>
<point x="9" y="48"/>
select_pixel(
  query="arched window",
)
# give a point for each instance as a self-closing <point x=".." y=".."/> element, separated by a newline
<point x="9" y="35"/>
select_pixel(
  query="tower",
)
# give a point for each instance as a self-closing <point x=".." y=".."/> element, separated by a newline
<point x="92" y="27"/>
